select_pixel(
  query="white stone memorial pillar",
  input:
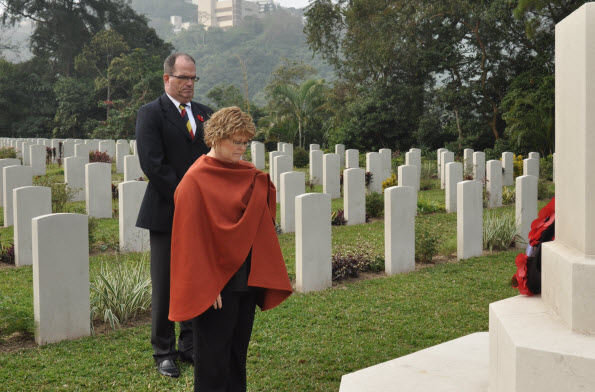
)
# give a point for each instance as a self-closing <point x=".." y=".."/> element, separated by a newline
<point x="479" y="167"/>
<point x="14" y="177"/>
<point x="494" y="183"/>
<point x="130" y="197"/>
<point x="29" y="202"/>
<point x="74" y="176"/>
<point x="352" y="159"/>
<point x="354" y="195"/>
<point x="132" y="170"/>
<point x="469" y="219"/>
<point x="331" y="175"/>
<point x="400" y="207"/>
<point x="61" y="277"/>
<point x="374" y="166"/>
<point x="313" y="257"/>
<point x="98" y="189"/>
<point x="507" y="169"/>
<point x="293" y="184"/>
<point x="454" y="175"/>
<point x="316" y="166"/>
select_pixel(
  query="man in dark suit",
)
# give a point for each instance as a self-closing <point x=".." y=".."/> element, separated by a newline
<point x="169" y="137"/>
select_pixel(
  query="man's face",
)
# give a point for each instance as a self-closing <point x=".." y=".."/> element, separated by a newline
<point x="181" y="90"/>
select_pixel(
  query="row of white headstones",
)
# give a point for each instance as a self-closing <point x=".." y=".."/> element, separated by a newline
<point x="308" y="214"/>
<point x="29" y="207"/>
<point x="57" y="245"/>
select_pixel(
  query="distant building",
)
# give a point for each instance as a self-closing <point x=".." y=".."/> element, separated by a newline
<point x="230" y="13"/>
<point x="176" y="22"/>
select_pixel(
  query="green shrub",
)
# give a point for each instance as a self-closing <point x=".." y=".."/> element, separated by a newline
<point x="545" y="190"/>
<point x="93" y="223"/>
<point x="499" y="230"/>
<point x="301" y="157"/>
<point x="426" y="245"/>
<point x="391" y="181"/>
<point x="61" y="193"/>
<point x="338" y="218"/>
<point x="546" y="168"/>
<point x="119" y="291"/>
<point x="429" y="206"/>
<point x="7" y="152"/>
<point x="508" y="195"/>
<point x="374" y="205"/>
<point x="427" y="184"/>
<point x="429" y="169"/>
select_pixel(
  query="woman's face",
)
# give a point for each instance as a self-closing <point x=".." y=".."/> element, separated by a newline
<point x="231" y="150"/>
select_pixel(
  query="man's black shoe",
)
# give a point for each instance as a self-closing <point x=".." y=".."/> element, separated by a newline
<point x="168" y="368"/>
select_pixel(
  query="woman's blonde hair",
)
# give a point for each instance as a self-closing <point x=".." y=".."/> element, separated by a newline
<point x="226" y="123"/>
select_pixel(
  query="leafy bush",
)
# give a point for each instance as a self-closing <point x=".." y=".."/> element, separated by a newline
<point x="93" y="223"/>
<point x="429" y="169"/>
<point x="429" y="206"/>
<point x="545" y="190"/>
<point x="98" y="156"/>
<point x="61" y="193"/>
<point x="310" y="185"/>
<point x="426" y="245"/>
<point x="301" y="157"/>
<point x="508" y="195"/>
<point x="517" y="164"/>
<point x="369" y="176"/>
<point x="348" y="263"/>
<point x="7" y="253"/>
<point x="338" y="218"/>
<point x="119" y="291"/>
<point x="391" y="181"/>
<point x="374" y="205"/>
<point x="546" y="168"/>
<point x="499" y="230"/>
<point x="7" y="152"/>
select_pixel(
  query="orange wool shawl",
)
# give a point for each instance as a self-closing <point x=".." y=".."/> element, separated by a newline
<point x="223" y="210"/>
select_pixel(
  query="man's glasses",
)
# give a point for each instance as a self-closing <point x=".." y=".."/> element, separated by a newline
<point x="186" y="78"/>
<point x="241" y="144"/>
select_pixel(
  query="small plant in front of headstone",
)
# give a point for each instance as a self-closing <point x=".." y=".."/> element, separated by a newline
<point x="390" y="181"/>
<point x="499" y="230"/>
<point x="429" y="206"/>
<point x="310" y="184"/>
<point x="7" y="253"/>
<point x="426" y="245"/>
<point x="98" y="156"/>
<point x="338" y="218"/>
<point x="374" y="205"/>
<point x="7" y="152"/>
<point x="61" y="192"/>
<point x="508" y="195"/>
<point x="114" y="191"/>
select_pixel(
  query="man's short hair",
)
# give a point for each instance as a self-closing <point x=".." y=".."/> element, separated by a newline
<point x="170" y="61"/>
<point x="226" y="123"/>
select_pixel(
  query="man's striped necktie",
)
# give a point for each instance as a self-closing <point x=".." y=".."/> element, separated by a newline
<point x="185" y="117"/>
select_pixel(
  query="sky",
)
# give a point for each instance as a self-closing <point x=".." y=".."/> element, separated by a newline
<point x="293" y="3"/>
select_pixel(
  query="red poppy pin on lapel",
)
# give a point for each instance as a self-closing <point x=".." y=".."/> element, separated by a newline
<point x="200" y="118"/>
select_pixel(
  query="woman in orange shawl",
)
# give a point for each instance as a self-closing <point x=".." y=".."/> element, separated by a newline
<point x="225" y="255"/>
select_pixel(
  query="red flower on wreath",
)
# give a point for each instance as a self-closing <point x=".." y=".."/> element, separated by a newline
<point x="519" y="280"/>
<point x="545" y="218"/>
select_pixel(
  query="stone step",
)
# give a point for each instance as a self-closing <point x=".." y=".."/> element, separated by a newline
<point x="460" y="365"/>
<point x="532" y="349"/>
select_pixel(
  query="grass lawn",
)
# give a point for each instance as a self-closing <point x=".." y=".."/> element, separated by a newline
<point x="306" y="344"/>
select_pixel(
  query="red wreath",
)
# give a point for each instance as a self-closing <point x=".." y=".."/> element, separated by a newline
<point x="545" y="218"/>
<point x="519" y="280"/>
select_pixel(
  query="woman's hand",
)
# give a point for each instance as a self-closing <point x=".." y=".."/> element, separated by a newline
<point x="218" y="303"/>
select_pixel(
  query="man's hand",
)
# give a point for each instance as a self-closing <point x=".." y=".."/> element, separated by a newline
<point x="218" y="303"/>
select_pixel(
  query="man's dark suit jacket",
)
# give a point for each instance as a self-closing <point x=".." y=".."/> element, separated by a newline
<point x="166" y="151"/>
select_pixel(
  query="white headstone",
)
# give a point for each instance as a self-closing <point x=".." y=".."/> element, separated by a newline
<point x="314" y="147"/>
<point x="469" y="219"/>
<point x="37" y="159"/>
<point x="386" y="158"/>
<point x="132" y="170"/>
<point x="292" y="185"/>
<point x="316" y="166"/>
<point x="534" y="155"/>
<point x="14" y="177"/>
<point x="507" y="169"/>
<point x="400" y="207"/>
<point x="130" y="197"/>
<point x="407" y="175"/>
<point x="340" y="151"/>
<point x="374" y="166"/>
<point x="526" y="207"/>
<point x="257" y="152"/>
<point x="29" y="202"/>
<point x="81" y="150"/>
<point x="67" y="149"/>
<point x="494" y="183"/>
<point x="454" y="175"/>
<point x="446" y="158"/>
<point x="3" y="163"/>
<point x="60" y="277"/>
<point x="531" y="167"/>
<point x="313" y="257"/>
<point x="98" y="189"/>
<point x="272" y="168"/>
<point x="74" y="176"/>
<point x="288" y="149"/>
<point x="331" y="175"/>
<point x="283" y="164"/>
<point x="109" y="147"/>
<point x="468" y="161"/>
<point x="479" y="166"/>
<point x="351" y="159"/>
<point x="413" y="158"/>
<point x="438" y="157"/>
<point x="354" y="194"/>
<point x="122" y="150"/>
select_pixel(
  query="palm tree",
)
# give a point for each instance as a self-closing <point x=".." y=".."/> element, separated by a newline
<point x="300" y="103"/>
